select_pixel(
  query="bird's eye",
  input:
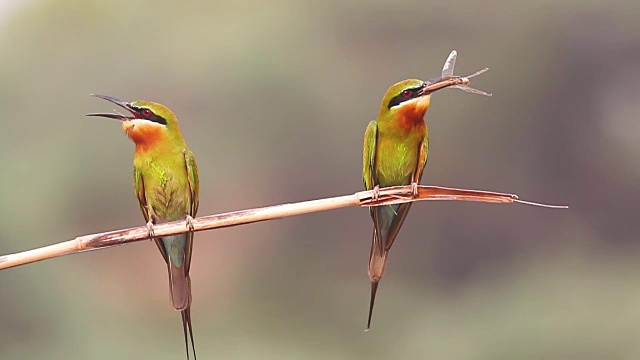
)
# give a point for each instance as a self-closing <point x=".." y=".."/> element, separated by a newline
<point x="406" y="93"/>
<point x="146" y="112"/>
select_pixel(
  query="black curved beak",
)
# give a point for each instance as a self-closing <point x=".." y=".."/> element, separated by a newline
<point x="434" y="85"/>
<point x="121" y="103"/>
<point x="427" y="88"/>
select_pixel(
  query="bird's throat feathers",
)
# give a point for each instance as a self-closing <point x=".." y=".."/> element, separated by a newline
<point x="147" y="135"/>
<point x="410" y="114"/>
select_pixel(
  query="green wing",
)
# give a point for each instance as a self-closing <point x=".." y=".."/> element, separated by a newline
<point x="194" y="201"/>
<point x="194" y="181"/>
<point x="369" y="155"/>
<point x="369" y="173"/>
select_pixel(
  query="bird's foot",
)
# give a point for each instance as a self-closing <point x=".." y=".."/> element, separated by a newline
<point x="376" y="194"/>
<point x="150" y="231"/>
<point x="414" y="189"/>
<point x="189" y="220"/>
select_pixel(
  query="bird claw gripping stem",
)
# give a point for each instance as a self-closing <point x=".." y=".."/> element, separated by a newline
<point x="414" y="189"/>
<point x="189" y="222"/>
<point x="376" y="194"/>
<point x="150" y="230"/>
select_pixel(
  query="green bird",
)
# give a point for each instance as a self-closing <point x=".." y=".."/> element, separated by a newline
<point x="165" y="178"/>
<point x="396" y="148"/>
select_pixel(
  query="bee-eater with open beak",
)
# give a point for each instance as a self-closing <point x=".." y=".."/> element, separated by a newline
<point x="165" y="178"/>
<point x="396" y="147"/>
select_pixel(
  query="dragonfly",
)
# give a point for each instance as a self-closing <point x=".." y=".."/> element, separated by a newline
<point x="447" y="78"/>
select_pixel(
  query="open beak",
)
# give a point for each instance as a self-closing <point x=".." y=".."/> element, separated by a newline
<point x="123" y="104"/>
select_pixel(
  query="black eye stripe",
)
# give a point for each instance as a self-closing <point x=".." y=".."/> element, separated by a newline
<point x="153" y="117"/>
<point x="400" y="98"/>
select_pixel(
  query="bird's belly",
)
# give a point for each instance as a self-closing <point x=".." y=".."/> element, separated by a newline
<point x="167" y="196"/>
<point x="396" y="164"/>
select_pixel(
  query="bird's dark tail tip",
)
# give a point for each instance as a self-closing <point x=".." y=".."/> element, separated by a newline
<point x="374" y="288"/>
<point x="186" y="326"/>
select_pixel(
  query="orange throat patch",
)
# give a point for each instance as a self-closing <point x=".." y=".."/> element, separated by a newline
<point x="412" y="113"/>
<point x="143" y="133"/>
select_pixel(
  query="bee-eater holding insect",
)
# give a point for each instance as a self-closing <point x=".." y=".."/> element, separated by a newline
<point x="396" y="147"/>
<point x="165" y="178"/>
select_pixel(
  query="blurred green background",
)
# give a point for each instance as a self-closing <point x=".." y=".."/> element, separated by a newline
<point x="273" y="98"/>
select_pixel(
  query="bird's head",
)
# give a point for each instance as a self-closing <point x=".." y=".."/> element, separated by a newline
<point x="147" y="123"/>
<point x="407" y="98"/>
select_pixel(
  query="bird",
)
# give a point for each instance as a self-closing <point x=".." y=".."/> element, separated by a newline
<point x="166" y="184"/>
<point x="395" y="152"/>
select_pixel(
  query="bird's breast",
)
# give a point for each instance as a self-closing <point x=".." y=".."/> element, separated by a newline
<point x="166" y="189"/>
<point x="396" y="161"/>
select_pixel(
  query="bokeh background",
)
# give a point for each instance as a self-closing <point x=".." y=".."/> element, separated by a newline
<point x="273" y="98"/>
